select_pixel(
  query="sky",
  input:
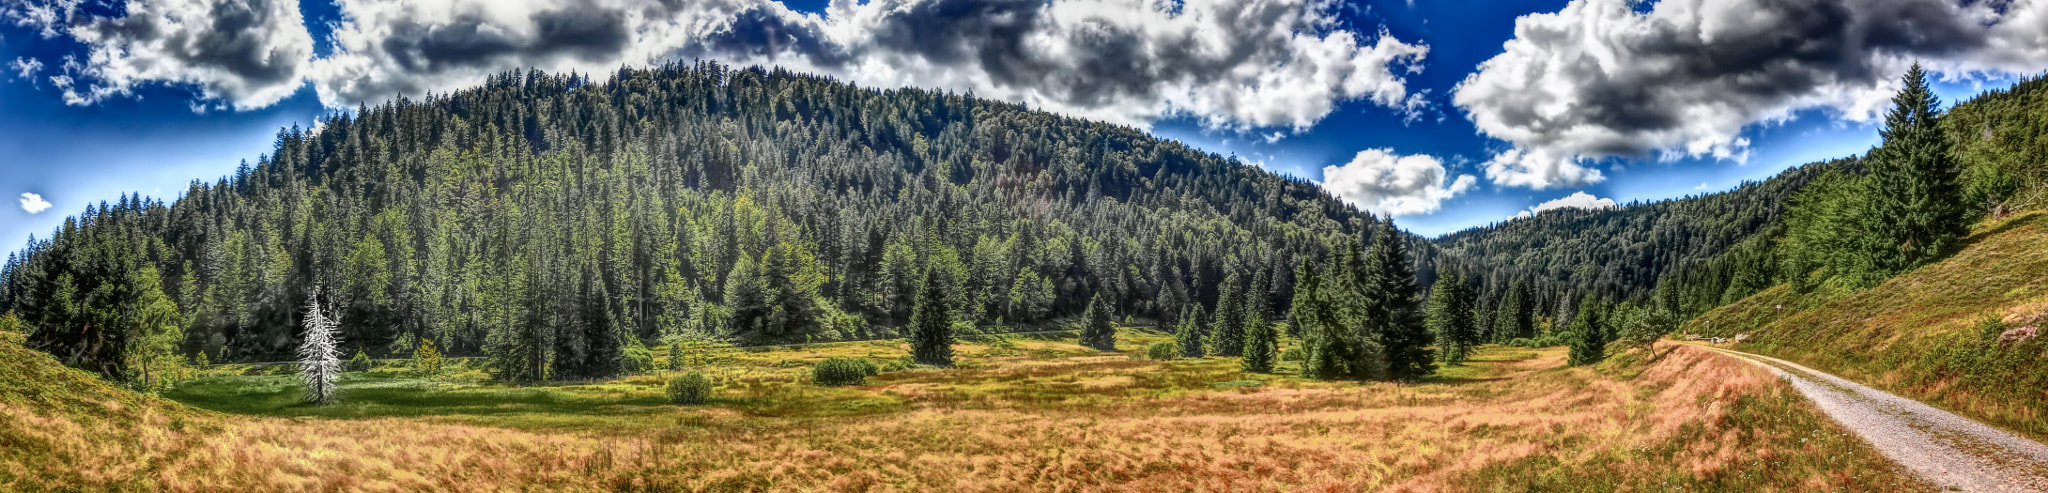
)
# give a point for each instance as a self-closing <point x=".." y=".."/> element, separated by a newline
<point x="1444" y="114"/>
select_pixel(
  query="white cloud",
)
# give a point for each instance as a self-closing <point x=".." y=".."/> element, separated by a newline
<point x="26" y="68"/>
<point x="33" y="203"/>
<point x="1386" y="183"/>
<point x="1577" y="200"/>
<point x="1601" y="79"/>
<point x="243" y="53"/>
<point x="1703" y="186"/>
<point x="1231" y="64"/>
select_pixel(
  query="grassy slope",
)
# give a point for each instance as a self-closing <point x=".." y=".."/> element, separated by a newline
<point x="1032" y="415"/>
<point x="1923" y="334"/>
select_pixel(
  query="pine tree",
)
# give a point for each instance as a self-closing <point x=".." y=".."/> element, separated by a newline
<point x="1588" y="334"/>
<point x="1918" y="206"/>
<point x="931" y="324"/>
<point x="1096" y="331"/>
<point x="1397" y="314"/>
<point x="319" y="354"/>
<point x="1189" y="335"/>
<point x="1226" y="333"/>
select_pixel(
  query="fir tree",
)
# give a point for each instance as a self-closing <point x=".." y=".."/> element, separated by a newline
<point x="1397" y="314"/>
<point x="931" y="324"/>
<point x="1261" y="341"/>
<point x="1096" y="331"/>
<point x="1516" y="315"/>
<point x="1588" y="335"/>
<point x="1918" y="204"/>
<point x="1452" y="319"/>
<point x="319" y="354"/>
<point x="1189" y="335"/>
<point x="1226" y="333"/>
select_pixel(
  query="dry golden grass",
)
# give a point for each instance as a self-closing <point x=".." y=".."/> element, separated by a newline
<point x="1918" y="334"/>
<point x="1512" y="420"/>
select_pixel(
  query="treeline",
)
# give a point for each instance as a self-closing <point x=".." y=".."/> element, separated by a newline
<point x="555" y="223"/>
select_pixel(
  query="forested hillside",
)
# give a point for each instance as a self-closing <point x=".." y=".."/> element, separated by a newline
<point x="558" y="211"/>
<point x="1621" y="253"/>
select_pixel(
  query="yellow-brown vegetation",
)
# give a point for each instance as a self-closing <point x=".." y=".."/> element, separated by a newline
<point x="1053" y="418"/>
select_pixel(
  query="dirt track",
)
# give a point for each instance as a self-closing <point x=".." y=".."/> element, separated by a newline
<point x="1946" y="449"/>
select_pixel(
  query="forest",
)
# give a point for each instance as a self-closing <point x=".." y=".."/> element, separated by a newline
<point x="561" y="225"/>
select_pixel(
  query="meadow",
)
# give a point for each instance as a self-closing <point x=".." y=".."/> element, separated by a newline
<point x="1961" y="334"/>
<point x="1015" y="415"/>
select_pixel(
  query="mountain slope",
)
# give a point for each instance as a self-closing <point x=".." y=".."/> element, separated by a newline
<point x="1963" y="333"/>
<point x="762" y="205"/>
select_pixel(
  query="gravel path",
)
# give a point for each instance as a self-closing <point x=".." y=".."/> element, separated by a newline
<point x="1949" y="450"/>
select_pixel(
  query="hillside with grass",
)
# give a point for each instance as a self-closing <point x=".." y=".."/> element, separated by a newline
<point x="1963" y="333"/>
<point x="1017" y="413"/>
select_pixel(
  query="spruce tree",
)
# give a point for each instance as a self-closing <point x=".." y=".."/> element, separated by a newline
<point x="1918" y="207"/>
<point x="1226" y="333"/>
<point x="1588" y="334"/>
<point x="1189" y="335"/>
<point x="1397" y="311"/>
<point x="1515" y="317"/>
<point x="1451" y="319"/>
<point x="1261" y="341"/>
<point x="1096" y="331"/>
<point x="931" y="324"/>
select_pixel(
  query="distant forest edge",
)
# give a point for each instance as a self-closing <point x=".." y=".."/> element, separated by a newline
<point x="1690" y="255"/>
<point x="753" y="205"/>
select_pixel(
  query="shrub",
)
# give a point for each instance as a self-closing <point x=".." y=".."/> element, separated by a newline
<point x="361" y="362"/>
<point x="1291" y="354"/>
<point x="427" y="359"/>
<point x="843" y="371"/>
<point x="689" y="389"/>
<point x="1162" y="351"/>
<point x="635" y="357"/>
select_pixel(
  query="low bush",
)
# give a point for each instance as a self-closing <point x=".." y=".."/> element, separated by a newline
<point x="636" y="358"/>
<point x="843" y="371"/>
<point x="1291" y="354"/>
<point x="1162" y="351"/>
<point x="689" y="389"/>
<point x="361" y="362"/>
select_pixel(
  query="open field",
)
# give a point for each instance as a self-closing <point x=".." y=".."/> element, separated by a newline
<point x="1026" y="415"/>
<point x="1933" y="334"/>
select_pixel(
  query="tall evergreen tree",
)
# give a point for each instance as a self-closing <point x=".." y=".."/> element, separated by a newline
<point x="1226" y="332"/>
<point x="1516" y="315"/>
<point x="1261" y="340"/>
<point x="931" y="323"/>
<point x="1453" y="319"/>
<point x="1189" y="335"/>
<point x="1097" y="332"/>
<point x="1396" y="316"/>
<point x="1918" y="206"/>
<point x="1588" y="334"/>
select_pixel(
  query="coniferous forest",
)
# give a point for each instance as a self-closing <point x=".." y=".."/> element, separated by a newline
<point x="559" y="224"/>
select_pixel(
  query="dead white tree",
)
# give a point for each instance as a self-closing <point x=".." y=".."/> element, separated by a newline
<point x="320" y="353"/>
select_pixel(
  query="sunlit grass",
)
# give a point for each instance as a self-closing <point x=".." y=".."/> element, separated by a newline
<point x="1898" y="336"/>
<point x="1025" y="415"/>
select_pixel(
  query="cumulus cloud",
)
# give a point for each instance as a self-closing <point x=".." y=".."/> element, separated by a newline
<point x="1231" y="64"/>
<point x="1383" y="182"/>
<point x="1577" y="200"/>
<point x="33" y="203"/>
<point x="1602" y="78"/>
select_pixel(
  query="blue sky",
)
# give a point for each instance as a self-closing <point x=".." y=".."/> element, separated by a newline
<point x="154" y="129"/>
